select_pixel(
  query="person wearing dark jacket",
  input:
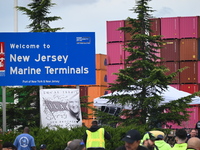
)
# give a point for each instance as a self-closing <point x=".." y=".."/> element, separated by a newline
<point x="132" y="141"/>
<point x="95" y="136"/>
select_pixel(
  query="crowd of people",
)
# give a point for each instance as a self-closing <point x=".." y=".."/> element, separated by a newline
<point x="94" y="139"/>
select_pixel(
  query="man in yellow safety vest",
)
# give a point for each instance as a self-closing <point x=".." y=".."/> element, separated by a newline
<point x="95" y="136"/>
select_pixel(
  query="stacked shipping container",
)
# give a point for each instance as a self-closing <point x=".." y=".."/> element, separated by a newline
<point x="183" y="33"/>
<point x="97" y="90"/>
<point x="181" y="49"/>
<point x="115" y="48"/>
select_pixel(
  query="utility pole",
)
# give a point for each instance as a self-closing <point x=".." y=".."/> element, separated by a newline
<point x="15" y="16"/>
<point x="4" y="87"/>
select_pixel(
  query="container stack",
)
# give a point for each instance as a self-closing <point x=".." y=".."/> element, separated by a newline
<point x="115" y="48"/>
<point x="116" y="40"/>
<point x="97" y="90"/>
<point x="181" y="36"/>
<point x="171" y="48"/>
<point x="180" y="49"/>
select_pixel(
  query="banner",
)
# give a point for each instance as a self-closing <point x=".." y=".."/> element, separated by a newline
<point x="61" y="58"/>
<point x="60" y="107"/>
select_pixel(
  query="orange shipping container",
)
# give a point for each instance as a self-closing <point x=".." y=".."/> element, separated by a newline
<point x="190" y="74"/>
<point x="87" y="122"/>
<point x="101" y="77"/>
<point x="188" y="49"/>
<point x="101" y="61"/>
<point x="94" y="92"/>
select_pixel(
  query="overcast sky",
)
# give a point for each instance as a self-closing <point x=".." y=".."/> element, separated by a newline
<point x="91" y="15"/>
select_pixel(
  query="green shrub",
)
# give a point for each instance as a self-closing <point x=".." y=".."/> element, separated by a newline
<point x="57" y="139"/>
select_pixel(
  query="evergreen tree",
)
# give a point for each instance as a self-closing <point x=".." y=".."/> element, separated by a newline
<point x="144" y="79"/>
<point x="27" y="111"/>
<point x="37" y="13"/>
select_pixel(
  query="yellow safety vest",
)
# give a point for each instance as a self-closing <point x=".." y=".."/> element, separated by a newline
<point x="95" y="139"/>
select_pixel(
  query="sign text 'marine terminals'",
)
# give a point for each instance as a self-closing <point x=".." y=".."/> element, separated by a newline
<point x="47" y="58"/>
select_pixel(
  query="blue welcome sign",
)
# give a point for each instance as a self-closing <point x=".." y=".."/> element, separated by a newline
<point x="47" y="58"/>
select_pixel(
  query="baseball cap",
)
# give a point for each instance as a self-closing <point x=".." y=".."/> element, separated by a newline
<point x="8" y="145"/>
<point x="157" y="134"/>
<point x="160" y="137"/>
<point x="149" y="136"/>
<point x="43" y="146"/>
<point x="131" y="136"/>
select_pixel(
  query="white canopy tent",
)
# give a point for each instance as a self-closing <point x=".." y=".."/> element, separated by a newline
<point x="169" y="95"/>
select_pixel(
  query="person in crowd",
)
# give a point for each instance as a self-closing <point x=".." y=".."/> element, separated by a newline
<point x="193" y="143"/>
<point x="132" y="141"/>
<point x="25" y="141"/>
<point x="8" y="146"/>
<point x="193" y="133"/>
<point x="160" y="143"/>
<point x="76" y="144"/>
<point x="180" y="138"/>
<point x="95" y="136"/>
<point x="148" y="141"/>
<point x="43" y="147"/>
<point x="68" y="143"/>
